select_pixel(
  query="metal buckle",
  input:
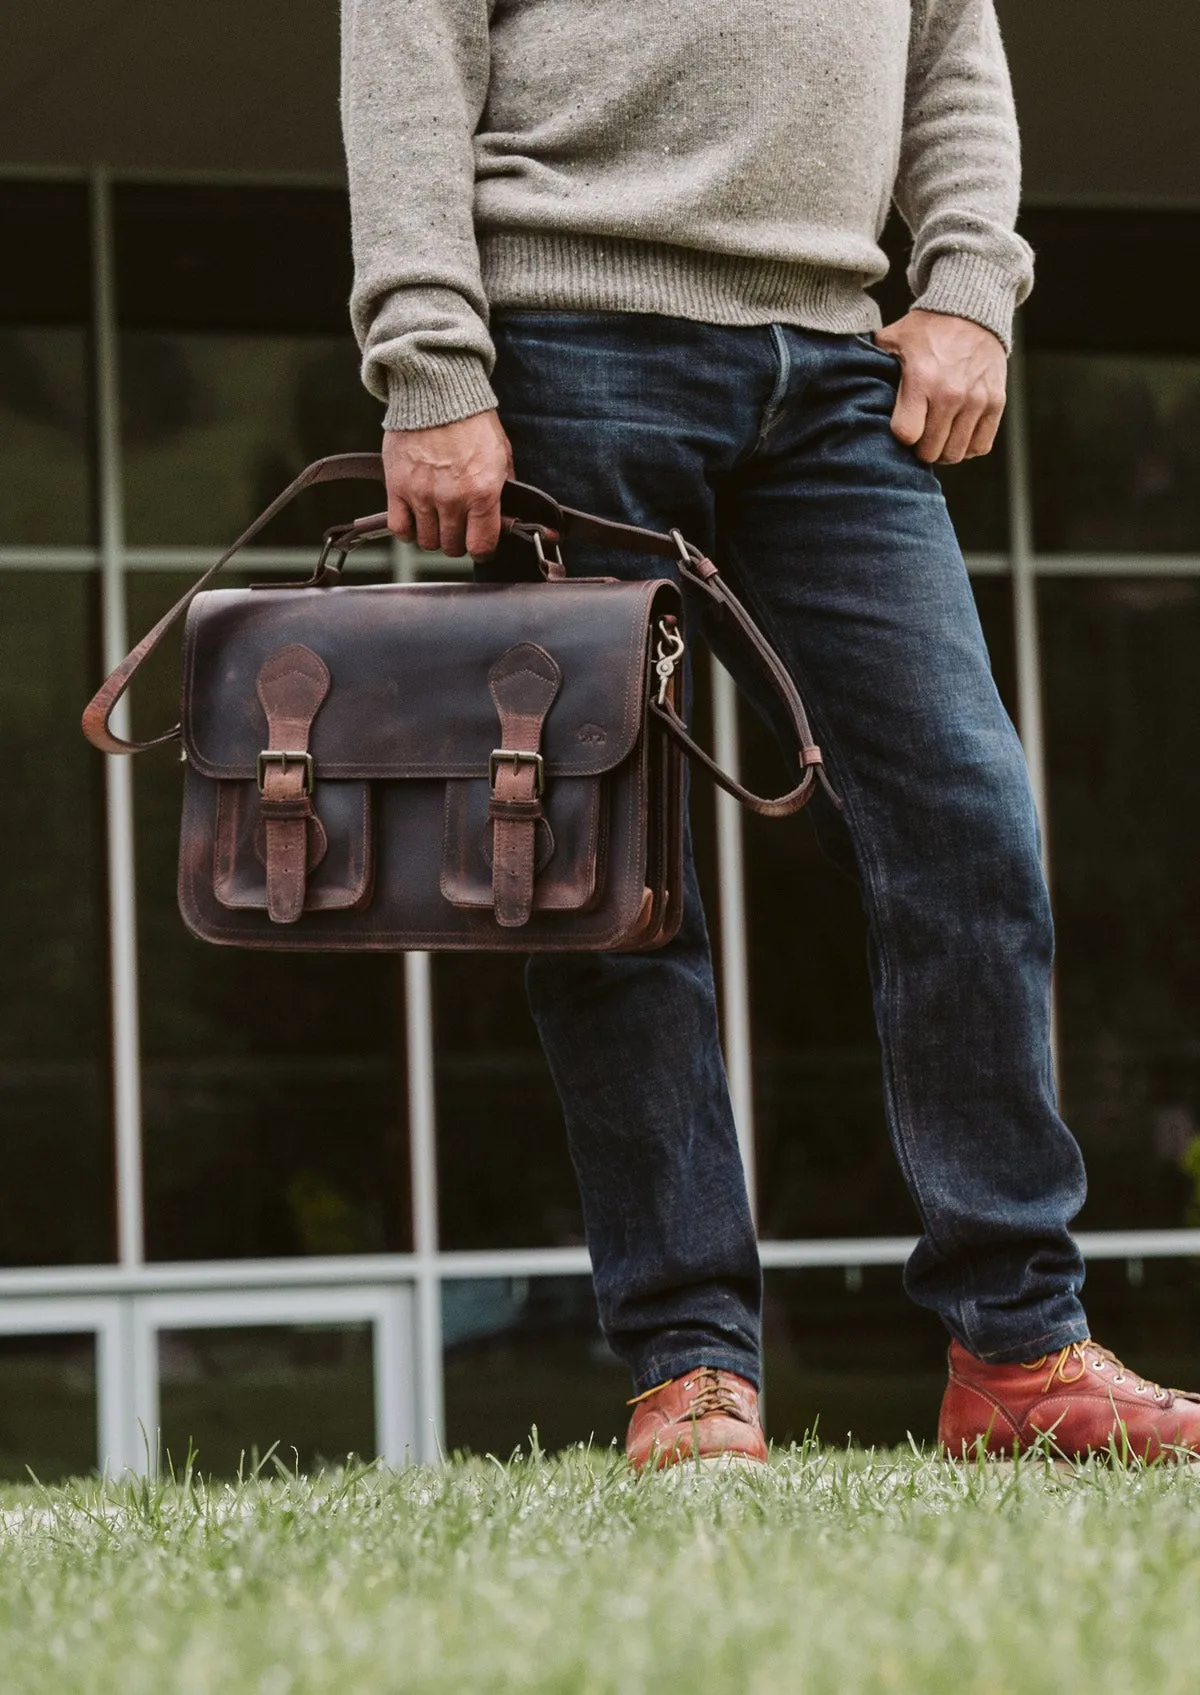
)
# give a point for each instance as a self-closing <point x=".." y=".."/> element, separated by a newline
<point x="517" y="757"/>
<point x="544" y="558"/>
<point x="281" y="757"/>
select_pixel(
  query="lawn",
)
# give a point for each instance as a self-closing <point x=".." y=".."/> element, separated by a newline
<point x="830" y="1571"/>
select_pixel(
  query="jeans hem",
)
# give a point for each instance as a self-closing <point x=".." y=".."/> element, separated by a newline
<point x="1034" y="1347"/>
<point x="664" y="1368"/>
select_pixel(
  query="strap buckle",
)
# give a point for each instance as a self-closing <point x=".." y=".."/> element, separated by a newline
<point x="283" y="757"/>
<point x="516" y="757"/>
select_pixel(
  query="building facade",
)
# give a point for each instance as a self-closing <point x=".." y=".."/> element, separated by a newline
<point x="327" y="1202"/>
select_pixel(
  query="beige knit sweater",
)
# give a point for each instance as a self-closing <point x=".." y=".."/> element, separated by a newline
<point x="731" y="161"/>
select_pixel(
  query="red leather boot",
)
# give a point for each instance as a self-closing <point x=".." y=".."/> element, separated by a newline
<point x="705" y="1415"/>
<point x="1081" y="1397"/>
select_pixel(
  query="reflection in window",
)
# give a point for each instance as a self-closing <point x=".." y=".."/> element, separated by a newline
<point x="273" y="1084"/>
<point x="825" y="1165"/>
<point x="1116" y="453"/>
<point x="214" y="426"/>
<point x="1122" y="700"/>
<point x="232" y="1394"/>
<point x="54" y="1078"/>
<point x="522" y="1352"/>
<point x="45" y="492"/>
<point x="47" y="1407"/>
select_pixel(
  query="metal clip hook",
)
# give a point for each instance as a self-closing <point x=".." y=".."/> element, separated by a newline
<point x="667" y="657"/>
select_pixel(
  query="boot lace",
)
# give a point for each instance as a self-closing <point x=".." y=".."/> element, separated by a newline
<point x="1071" y="1364"/>
<point x="711" y="1394"/>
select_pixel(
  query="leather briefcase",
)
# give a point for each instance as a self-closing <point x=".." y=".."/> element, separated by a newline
<point x="488" y="766"/>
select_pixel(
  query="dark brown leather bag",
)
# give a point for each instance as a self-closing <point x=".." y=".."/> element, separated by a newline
<point x="488" y="766"/>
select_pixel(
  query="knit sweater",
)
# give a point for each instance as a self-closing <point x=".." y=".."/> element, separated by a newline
<point x="731" y="161"/>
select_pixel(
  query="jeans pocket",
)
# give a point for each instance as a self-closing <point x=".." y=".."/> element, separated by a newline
<point x="892" y="371"/>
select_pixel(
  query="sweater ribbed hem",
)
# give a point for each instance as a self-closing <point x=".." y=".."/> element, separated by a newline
<point x="437" y="388"/>
<point x="533" y="271"/>
<point x="962" y="285"/>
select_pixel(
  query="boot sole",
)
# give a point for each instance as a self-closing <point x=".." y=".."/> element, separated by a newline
<point x="705" y="1462"/>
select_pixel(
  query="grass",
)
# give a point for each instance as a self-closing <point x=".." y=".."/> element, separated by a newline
<point x="831" y="1571"/>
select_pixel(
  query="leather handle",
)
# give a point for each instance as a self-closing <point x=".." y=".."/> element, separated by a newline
<point x="533" y="512"/>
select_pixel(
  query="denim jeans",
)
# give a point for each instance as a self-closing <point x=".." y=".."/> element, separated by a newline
<point x="770" y="448"/>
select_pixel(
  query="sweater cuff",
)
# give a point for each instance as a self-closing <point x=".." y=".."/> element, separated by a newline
<point x="962" y="285"/>
<point x="437" y="389"/>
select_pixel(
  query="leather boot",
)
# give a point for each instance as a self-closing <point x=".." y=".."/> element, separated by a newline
<point x="705" y="1415"/>
<point x="1082" y="1398"/>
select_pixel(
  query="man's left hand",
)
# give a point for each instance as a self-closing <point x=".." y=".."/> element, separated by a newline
<point x="952" y="385"/>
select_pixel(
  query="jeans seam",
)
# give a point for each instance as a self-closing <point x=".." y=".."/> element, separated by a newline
<point x="776" y="398"/>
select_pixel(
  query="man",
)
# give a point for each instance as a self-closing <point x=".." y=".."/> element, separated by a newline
<point x="626" y="248"/>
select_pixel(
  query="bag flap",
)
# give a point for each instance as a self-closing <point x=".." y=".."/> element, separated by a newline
<point x="409" y="665"/>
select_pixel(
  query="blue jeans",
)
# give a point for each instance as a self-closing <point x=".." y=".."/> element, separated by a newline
<point x="771" y="449"/>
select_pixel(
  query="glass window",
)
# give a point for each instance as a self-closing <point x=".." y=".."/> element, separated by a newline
<point x="274" y="1084"/>
<point x="45" y="415"/>
<point x="825" y="1166"/>
<point x="45" y="493"/>
<point x="846" y="1351"/>
<point x="231" y="1394"/>
<point x="47" y="1407"/>
<point x="1122" y="699"/>
<point x="521" y="1352"/>
<point x="238" y="365"/>
<point x="505" y="1174"/>
<point x="1116" y="453"/>
<point x="977" y="494"/>
<point x="1092" y="266"/>
<point x="215" y="425"/>
<point x="56" y="1201"/>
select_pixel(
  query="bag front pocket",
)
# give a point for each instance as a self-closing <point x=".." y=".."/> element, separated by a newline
<point x="340" y="861"/>
<point x="568" y="852"/>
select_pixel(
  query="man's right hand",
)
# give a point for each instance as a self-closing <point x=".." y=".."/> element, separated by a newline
<point x="443" y="484"/>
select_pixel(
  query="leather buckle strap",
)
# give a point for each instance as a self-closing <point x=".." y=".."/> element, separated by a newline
<point x="524" y="684"/>
<point x="292" y="685"/>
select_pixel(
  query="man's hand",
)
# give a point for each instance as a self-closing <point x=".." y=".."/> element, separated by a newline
<point x="443" y="484"/>
<point x="952" y="385"/>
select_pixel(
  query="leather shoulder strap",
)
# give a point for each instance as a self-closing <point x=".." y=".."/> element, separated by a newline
<point x="533" y="515"/>
<point x="99" y="710"/>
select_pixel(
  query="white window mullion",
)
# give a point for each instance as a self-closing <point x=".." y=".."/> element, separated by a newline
<point x="734" y="952"/>
<point x="127" y="1092"/>
<point x="422" y="1154"/>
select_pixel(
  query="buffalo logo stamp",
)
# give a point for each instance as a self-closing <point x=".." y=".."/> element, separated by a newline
<point x="591" y="733"/>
